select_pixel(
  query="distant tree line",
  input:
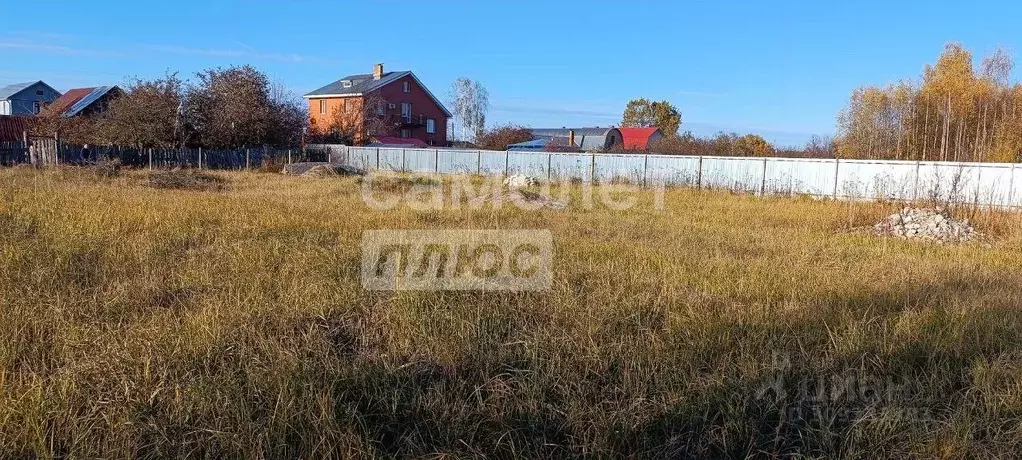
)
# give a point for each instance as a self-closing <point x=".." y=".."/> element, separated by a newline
<point x="956" y="112"/>
<point x="221" y="108"/>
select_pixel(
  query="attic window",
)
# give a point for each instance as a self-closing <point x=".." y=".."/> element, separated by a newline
<point x="38" y="92"/>
<point x="346" y="83"/>
<point x="407" y="89"/>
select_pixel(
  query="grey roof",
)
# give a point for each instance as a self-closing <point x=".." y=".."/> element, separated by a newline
<point x="563" y="132"/>
<point x="86" y="101"/>
<point x="363" y="83"/>
<point x="589" y="139"/>
<point x="10" y="90"/>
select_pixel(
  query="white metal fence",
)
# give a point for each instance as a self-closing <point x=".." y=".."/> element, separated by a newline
<point x="992" y="184"/>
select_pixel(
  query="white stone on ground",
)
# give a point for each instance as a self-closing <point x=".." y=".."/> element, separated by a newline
<point x="926" y="225"/>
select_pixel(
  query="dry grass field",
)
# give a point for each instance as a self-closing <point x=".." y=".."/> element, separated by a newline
<point x="139" y="319"/>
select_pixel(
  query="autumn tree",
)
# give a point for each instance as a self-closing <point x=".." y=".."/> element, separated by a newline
<point x="498" y="138"/>
<point x="470" y="102"/>
<point x="752" y="145"/>
<point x="643" y="113"/>
<point x="954" y="112"/>
<point x="237" y="106"/>
<point x="148" y="115"/>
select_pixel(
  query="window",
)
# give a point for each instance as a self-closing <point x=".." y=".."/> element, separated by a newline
<point x="36" y="107"/>
<point x="406" y="133"/>
<point x="349" y="106"/>
<point x="406" y="111"/>
<point x="407" y="88"/>
<point x="322" y="106"/>
<point x="430" y="126"/>
<point x="346" y="83"/>
<point x="39" y="92"/>
<point x="381" y="108"/>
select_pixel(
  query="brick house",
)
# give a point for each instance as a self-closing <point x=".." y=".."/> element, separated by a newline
<point x="379" y="104"/>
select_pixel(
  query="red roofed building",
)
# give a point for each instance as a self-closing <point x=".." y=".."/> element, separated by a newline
<point x="83" y="101"/>
<point x="640" y="138"/>
<point x="12" y="128"/>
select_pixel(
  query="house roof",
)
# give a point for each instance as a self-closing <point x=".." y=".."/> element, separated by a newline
<point x="64" y="102"/>
<point x="360" y="84"/>
<point x="587" y="138"/>
<point x="12" y="128"/>
<point x="543" y="143"/>
<point x="9" y="91"/>
<point x="89" y="99"/>
<point x="637" y="138"/>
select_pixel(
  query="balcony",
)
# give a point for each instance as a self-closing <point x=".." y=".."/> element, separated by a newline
<point x="412" y="121"/>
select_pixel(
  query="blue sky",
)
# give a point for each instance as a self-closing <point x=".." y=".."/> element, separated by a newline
<point x="781" y="68"/>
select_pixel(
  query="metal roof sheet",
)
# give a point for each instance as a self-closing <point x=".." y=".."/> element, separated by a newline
<point x="89" y="99"/>
<point x="7" y="91"/>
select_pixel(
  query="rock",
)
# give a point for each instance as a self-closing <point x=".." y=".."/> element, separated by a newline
<point x="520" y="181"/>
<point x="931" y="225"/>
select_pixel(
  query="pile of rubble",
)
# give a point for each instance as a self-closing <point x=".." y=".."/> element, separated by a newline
<point x="320" y="169"/>
<point x="931" y="225"/>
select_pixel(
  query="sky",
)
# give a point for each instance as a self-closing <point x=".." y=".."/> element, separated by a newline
<point x="782" y="69"/>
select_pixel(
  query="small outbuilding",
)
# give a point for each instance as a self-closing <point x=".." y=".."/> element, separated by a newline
<point x="641" y="139"/>
<point x="588" y="139"/>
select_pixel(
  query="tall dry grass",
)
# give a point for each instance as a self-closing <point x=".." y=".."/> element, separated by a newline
<point x="154" y="323"/>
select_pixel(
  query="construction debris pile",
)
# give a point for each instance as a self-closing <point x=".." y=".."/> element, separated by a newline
<point x="931" y="225"/>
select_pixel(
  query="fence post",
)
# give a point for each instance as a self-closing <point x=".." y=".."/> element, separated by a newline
<point x="507" y="160"/>
<point x="403" y="163"/>
<point x="592" y="168"/>
<point x="150" y="159"/>
<point x="436" y="160"/>
<point x="645" y="169"/>
<point x="1011" y="186"/>
<point x="837" y="171"/>
<point x="699" y="174"/>
<point x="549" y="167"/>
<point x="288" y="156"/>
<point x="200" y="158"/>
<point x="24" y="144"/>
<point x="915" y="185"/>
<point x="377" y="158"/>
<point x="56" y="149"/>
<point x="248" y="158"/>
<point x="762" y="185"/>
<point x="479" y="162"/>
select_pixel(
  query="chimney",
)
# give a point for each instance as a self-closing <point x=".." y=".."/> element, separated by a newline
<point x="571" y="138"/>
<point x="378" y="71"/>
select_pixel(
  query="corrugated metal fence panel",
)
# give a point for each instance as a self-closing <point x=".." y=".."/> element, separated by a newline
<point x="889" y="180"/>
<point x="529" y="163"/>
<point x="459" y="161"/>
<point x="624" y="167"/>
<point x="995" y="183"/>
<point x="1015" y="187"/>
<point x="421" y="160"/>
<point x="493" y="163"/>
<point x="963" y="182"/>
<point x="567" y="166"/>
<point x="733" y="173"/>
<point x="391" y="159"/>
<point x="672" y="170"/>
<point x="789" y="176"/>
<point x="360" y="157"/>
